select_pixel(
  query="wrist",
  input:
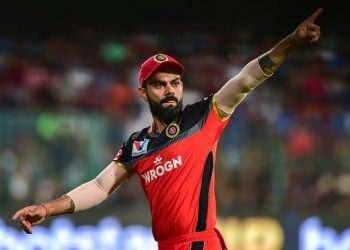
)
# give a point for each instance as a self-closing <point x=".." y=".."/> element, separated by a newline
<point x="47" y="211"/>
<point x="294" y="41"/>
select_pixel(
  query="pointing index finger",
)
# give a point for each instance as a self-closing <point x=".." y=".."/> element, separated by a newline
<point x="20" y="212"/>
<point x="17" y="214"/>
<point x="313" y="17"/>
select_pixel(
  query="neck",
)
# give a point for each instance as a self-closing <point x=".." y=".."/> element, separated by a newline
<point x="158" y="125"/>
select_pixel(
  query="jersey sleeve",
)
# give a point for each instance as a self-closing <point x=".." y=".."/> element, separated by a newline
<point x="123" y="157"/>
<point x="120" y="158"/>
<point x="208" y="117"/>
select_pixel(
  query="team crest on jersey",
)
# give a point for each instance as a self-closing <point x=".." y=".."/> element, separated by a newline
<point x="139" y="147"/>
<point x="172" y="130"/>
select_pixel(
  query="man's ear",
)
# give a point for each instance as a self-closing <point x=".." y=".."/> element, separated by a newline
<point x="142" y="93"/>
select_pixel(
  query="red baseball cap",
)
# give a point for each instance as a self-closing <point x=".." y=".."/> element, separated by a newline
<point x="154" y="62"/>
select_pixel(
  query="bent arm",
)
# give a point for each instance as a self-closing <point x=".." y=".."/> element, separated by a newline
<point x="97" y="190"/>
<point x="90" y="193"/>
<point x="85" y="196"/>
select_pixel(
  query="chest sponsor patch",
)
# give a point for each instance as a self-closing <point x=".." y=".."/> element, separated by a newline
<point x="139" y="147"/>
<point x="161" y="167"/>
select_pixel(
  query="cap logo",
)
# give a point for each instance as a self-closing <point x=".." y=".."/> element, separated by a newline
<point x="172" y="130"/>
<point x="160" y="58"/>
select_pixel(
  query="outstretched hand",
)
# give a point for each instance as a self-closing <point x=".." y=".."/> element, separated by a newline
<point x="30" y="216"/>
<point x="308" y="31"/>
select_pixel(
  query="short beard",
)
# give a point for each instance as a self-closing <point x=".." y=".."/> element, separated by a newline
<point x="167" y="115"/>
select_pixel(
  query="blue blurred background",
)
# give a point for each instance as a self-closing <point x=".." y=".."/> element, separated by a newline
<point x="68" y="75"/>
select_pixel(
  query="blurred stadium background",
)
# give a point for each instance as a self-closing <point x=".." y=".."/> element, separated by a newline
<point x="67" y="102"/>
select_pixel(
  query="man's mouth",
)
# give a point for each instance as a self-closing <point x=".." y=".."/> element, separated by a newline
<point x="169" y="100"/>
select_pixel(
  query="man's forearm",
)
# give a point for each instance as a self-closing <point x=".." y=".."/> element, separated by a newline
<point x="275" y="57"/>
<point x="59" y="206"/>
<point x="253" y="74"/>
<point x="94" y="192"/>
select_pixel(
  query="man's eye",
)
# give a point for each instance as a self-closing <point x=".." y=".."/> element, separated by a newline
<point x="158" y="85"/>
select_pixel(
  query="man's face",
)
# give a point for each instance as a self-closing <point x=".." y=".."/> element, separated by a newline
<point x="163" y="91"/>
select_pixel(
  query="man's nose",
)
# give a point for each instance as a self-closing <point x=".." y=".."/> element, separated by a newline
<point x="169" y="90"/>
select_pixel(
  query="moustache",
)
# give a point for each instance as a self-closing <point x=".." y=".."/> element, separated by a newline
<point x="169" y="98"/>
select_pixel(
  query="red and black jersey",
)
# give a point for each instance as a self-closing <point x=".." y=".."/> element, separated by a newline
<point x="176" y="169"/>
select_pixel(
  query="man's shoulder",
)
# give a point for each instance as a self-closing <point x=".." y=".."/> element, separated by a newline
<point x="138" y="135"/>
<point x="195" y="112"/>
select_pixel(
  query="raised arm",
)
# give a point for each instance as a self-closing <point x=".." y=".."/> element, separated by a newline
<point x="259" y="69"/>
<point x="83" y="197"/>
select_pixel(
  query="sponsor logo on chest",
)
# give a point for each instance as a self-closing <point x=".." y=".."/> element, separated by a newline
<point x="139" y="147"/>
<point x="161" y="168"/>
